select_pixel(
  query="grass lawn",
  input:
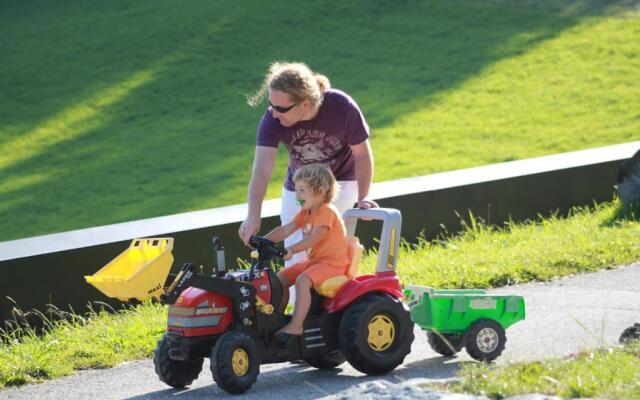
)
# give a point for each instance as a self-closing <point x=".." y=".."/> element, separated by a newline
<point x="115" y="111"/>
<point x="484" y="257"/>
<point x="585" y="241"/>
<point x="98" y="340"/>
<point x="607" y="373"/>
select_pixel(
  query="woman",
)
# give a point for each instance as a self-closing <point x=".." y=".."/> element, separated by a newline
<point x="316" y="124"/>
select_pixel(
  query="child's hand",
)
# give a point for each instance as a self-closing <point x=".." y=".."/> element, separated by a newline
<point x="288" y="255"/>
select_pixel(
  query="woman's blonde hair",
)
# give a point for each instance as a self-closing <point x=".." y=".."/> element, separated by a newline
<point x="320" y="180"/>
<point x="294" y="78"/>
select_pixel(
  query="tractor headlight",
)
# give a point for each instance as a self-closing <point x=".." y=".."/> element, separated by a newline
<point x="182" y="311"/>
<point x="195" y="317"/>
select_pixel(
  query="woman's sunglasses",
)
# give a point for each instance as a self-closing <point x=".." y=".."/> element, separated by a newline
<point x="281" y="109"/>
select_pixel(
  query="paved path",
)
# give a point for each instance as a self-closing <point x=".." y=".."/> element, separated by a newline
<point x="563" y="317"/>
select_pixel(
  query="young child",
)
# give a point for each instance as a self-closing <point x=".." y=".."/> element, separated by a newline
<point x="324" y="240"/>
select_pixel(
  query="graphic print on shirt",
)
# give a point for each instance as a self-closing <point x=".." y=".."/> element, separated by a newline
<point x="311" y="146"/>
<point x="306" y="232"/>
<point x="310" y="152"/>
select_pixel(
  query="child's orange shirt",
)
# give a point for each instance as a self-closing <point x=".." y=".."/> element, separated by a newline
<point x="333" y="248"/>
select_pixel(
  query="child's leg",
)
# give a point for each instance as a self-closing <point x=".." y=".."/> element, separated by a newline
<point x="285" y="293"/>
<point x="303" y="302"/>
<point x="287" y="276"/>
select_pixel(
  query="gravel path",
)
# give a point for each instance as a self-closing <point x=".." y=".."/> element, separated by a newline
<point x="563" y="317"/>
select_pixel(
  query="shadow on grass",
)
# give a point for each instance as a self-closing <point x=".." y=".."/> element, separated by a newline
<point x="184" y="139"/>
<point x="623" y="8"/>
<point x="34" y="322"/>
<point x="623" y="213"/>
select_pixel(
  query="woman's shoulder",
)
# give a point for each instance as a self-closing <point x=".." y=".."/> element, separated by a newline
<point x="338" y="101"/>
<point x="269" y="130"/>
<point x="269" y="122"/>
<point x="337" y="96"/>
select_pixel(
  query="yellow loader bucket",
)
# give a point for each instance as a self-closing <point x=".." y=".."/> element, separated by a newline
<point x="139" y="272"/>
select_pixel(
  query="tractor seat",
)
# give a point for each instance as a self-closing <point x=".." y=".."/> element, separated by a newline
<point x="330" y="287"/>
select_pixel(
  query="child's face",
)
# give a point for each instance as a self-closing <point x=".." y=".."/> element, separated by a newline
<point x="307" y="197"/>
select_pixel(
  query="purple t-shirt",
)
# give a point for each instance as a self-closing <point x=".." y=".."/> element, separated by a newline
<point x="324" y="139"/>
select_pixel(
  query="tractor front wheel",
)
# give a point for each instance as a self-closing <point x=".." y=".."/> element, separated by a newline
<point x="175" y="373"/>
<point x="235" y="363"/>
<point x="485" y="340"/>
<point x="376" y="334"/>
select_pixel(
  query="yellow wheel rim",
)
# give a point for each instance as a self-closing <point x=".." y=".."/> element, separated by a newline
<point x="382" y="331"/>
<point x="240" y="362"/>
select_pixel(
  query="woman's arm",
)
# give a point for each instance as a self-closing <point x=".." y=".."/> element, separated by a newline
<point x="363" y="158"/>
<point x="263" y="165"/>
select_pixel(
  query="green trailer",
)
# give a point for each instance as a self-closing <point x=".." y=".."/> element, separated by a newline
<point x="470" y="318"/>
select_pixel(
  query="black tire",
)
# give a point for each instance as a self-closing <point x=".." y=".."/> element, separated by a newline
<point x="630" y="334"/>
<point x="444" y="343"/>
<point x="235" y="363"/>
<point x="485" y="340"/>
<point x="371" y="353"/>
<point x="177" y="374"/>
<point x="327" y="361"/>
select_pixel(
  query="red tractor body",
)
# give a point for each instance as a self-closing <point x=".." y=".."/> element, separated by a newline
<point x="198" y="312"/>
<point x="381" y="282"/>
<point x="232" y="317"/>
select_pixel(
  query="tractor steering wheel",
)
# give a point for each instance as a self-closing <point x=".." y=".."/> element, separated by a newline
<point x="266" y="248"/>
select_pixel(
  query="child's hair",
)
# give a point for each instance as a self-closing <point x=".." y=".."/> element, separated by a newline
<point x="320" y="180"/>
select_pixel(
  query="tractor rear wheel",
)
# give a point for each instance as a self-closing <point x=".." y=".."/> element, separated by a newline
<point x="444" y="343"/>
<point x="326" y="361"/>
<point x="175" y="373"/>
<point x="376" y="334"/>
<point x="485" y="340"/>
<point x="235" y="363"/>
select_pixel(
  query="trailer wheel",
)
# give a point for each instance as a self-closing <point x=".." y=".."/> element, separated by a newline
<point x="175" y="373"/>
<point x="485" y="340"/>
<point x="376" y="334"/>
<point x="235" y="363"/>
<point x="630" y="334"/>
<point x="326" y="361"/>
<point x="444" y="343"/>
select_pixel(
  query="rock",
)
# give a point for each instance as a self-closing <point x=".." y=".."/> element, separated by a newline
<point x="409" y="390"/>
<point x="414" y="389"/>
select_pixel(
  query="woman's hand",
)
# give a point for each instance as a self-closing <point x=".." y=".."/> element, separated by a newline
<point x="248" y="228"/>
<point x="367" y="203"/>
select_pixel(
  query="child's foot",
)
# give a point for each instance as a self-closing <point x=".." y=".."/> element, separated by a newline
<point x="284" y="337"/>
<point x="290" y="330"/>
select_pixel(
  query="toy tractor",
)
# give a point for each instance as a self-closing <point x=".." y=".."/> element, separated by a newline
<point x="232" y="317"/>
<point x="470" y="318"/>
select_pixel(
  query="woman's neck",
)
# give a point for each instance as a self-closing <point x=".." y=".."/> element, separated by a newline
<point x="312" y="114"/>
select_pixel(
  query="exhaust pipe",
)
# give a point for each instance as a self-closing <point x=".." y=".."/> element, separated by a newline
<point x="219" y="249"/>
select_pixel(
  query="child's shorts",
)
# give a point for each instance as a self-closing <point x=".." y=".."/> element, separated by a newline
<point x="317" y="271"/>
